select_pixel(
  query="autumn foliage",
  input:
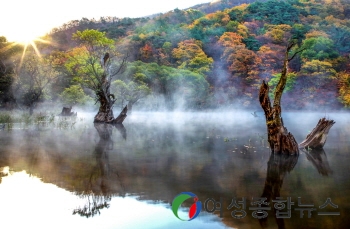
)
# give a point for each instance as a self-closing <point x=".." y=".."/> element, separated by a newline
<point x="231" y="47"/>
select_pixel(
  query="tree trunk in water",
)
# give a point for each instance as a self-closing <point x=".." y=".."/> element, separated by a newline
<point x="105" y="112"/>
<point x="121" y="116"/>
<point x="318" y="136"/>
<point x="280" y="140"/>
<point x="67" y="111"/>
<point x="106" y="99"/>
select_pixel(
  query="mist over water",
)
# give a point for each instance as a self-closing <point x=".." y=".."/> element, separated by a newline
<point x="154" y="156"/>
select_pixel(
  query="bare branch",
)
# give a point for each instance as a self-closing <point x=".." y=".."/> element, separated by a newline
<point x="299" y="51"/>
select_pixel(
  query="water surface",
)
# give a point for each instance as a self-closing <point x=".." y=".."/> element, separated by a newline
<point x="89" y="176"/>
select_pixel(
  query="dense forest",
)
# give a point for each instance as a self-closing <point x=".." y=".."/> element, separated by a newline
<point x="205" y="57"/>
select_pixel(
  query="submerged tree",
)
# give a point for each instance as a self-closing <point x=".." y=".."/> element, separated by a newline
<point x="94" y="64"/>
<point x="281" y="141"/>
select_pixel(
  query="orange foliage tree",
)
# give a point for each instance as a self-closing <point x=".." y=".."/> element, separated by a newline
<point x="344" y="88"/>
<point x="241" y="61"/>
<point x="190" y="55"/>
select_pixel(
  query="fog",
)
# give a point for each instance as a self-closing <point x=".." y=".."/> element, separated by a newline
<point x="154" y="156"/>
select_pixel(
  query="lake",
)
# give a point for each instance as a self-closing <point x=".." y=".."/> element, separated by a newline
<point x="101" y="176"/>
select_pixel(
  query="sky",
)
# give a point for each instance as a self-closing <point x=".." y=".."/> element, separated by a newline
<point x="23" y="20"/>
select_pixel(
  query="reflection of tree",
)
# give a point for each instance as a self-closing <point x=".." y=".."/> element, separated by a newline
<point x="121" y="129"/>
<point x="32" y="145"/>
<point x="94" y="204"/>
<point x="319" y="159"/>
<point x="2" y="174"/>
<point x="277" y="167"/>
<point x="99" y="194"/>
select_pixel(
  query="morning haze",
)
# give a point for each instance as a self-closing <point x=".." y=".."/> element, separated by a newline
<point x="104" y="121"/>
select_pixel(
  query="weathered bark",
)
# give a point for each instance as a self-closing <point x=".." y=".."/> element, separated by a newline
<point x="318" y="136"/>
<point x="280" y="140"/>
<point x="105" y="111"/>
<point x="104" y="97"/>
<point x="121" y="116"/>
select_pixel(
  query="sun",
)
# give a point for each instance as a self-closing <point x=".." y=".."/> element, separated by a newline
<point x="23" y="36"/>
<point x="26" y="28"/>
<point x="25" y="39"/>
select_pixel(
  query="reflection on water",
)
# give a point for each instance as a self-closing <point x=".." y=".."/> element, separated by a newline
<point x="98" y="193"/>
<point x="34" y="204"/>
<point x="277" y="167"/>
<point x="318" y="158"/>
<point x="127" y="176"/>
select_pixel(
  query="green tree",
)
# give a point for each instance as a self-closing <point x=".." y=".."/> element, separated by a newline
<point x="170" y="83"/>
<point x="191" y="56"/>
<point x="74" y="95"/>
<point x="121" y="89"/>
<point x="318" y="48"/>
<point x="237" y="13"/>
<point x="94" y="64"/>
<point x="190" y="88"/>
<point x="317" y="67"/>
<point x="7" y="69"/>
<point x="131" y="92"/>
<point x="341" y="36"/>
<point x="298" y="32"/>
<point x="273" y="12"/>
<point x="135" y="93"/>
<point x="291" y="77"/>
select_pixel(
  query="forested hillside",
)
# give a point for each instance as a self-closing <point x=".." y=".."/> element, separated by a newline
<point x="208" y="56"/>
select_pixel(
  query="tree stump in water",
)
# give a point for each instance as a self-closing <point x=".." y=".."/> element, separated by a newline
<point x="280" y="140"/>
<point x="102" y="117"/>
<point x="318" y="136"/>
<point x="67" y="111"/>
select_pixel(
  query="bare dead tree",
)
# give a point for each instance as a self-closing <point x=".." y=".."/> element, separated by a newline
<point x="318" y="136"/>
<point x="281" y="141"/>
